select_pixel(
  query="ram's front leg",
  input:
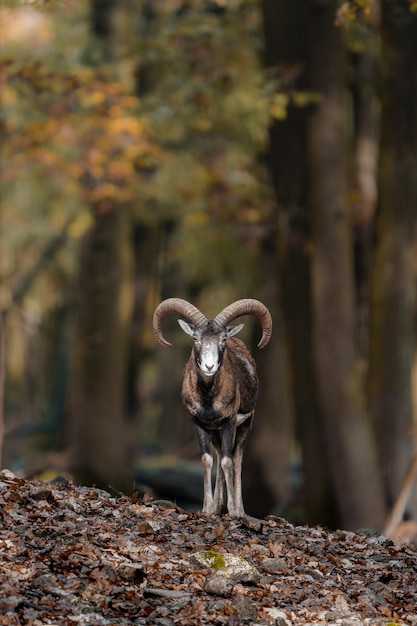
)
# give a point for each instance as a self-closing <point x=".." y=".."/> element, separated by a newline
<point x="207" y="461"/>
<point x="228" y="434"/>
<point x="219" y="487"/>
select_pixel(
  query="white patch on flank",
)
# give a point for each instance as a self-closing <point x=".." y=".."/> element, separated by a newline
<point x="242" y="417"/>
<point x="247" y="365"/>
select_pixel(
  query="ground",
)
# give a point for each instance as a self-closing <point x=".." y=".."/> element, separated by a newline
<point x="78" y="555"/>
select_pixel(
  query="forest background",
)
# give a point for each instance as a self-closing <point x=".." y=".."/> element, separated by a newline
<point x="211" y="150"/>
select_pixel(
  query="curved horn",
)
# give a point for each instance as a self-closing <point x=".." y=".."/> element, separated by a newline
<point x="248" y="306"/>
<point x="175" y="306"/>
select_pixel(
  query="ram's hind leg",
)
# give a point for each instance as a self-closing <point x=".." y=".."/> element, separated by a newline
<point x="244" y="424"/>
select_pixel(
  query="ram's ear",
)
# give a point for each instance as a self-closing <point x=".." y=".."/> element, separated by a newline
<point x="187" y="328"/>
<point x="234" y="330"/>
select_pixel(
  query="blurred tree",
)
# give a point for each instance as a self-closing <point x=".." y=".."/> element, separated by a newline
<point x="363" y="71"/>
<point x="2" y="364"/>
<point x="285" y="30"/>
<point x="101" y="437"/>
<point x="100" y="430"/>
<point x="267" y="472"/>
<point x="394" y="264"/>
<point x="349" y="442"/>
<point x="77" y="152"/>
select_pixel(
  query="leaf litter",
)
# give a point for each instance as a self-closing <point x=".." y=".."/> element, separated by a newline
<point x="80" y="556"/>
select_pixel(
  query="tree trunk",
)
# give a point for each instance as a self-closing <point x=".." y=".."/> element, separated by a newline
<point x="364" y="80"/>
<point x="393" y="281"/>
<point x="285" y="27"/>
<point x="267" y="464"/>
<point x="2" y="379"/>
<point x="349" y="445"/>
<point x="100" y="433"/>
<point x="102" y="428"/>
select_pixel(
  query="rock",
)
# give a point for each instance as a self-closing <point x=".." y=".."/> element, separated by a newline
<point x="42" y="494"/>
<point x="218" y="585"/>
<point x="280" y="617"/>
<point x="252" y="522"/>
<point x="131" y="571"/>
<point x="7" y="475"/>
<point x="228" y="565"/>
<point x="274" y="566"/>
<point x="246" y="608"/>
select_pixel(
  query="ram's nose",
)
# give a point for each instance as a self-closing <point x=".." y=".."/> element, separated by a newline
<point x="209" y="369"/>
